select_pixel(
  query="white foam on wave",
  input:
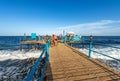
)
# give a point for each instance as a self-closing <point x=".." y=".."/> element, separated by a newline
<point x="9" y="62"/>
<point x="9" y="54"/>
<point x="113" y="52"/>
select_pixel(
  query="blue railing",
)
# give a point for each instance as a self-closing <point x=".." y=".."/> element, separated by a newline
<point x="91" y="50"/>
<point x="46" y="57"/>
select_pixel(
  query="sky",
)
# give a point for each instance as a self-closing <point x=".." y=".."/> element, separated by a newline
<point x="86" y="17"/>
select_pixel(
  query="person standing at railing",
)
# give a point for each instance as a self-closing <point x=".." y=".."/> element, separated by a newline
<point x="91" y="38"/>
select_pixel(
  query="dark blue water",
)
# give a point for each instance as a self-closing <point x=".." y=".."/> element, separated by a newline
<point x="12" y="42"/>
<point x="103" y="39"/>
<point x="99" y="41"/>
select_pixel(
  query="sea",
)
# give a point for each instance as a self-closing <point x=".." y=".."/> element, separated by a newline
<point x="15" y="64"/>
<point x="12" y="42"/>
<point x="10" y="45"/>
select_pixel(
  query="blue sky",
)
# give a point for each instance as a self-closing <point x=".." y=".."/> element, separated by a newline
<point x="96" y="17"/>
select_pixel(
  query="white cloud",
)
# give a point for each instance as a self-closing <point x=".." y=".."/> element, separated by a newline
<point x="112" y="27"/>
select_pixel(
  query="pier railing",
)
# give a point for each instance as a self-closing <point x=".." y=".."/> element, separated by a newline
<point x="97" y="52"/>
<point x="93" y="50"/>
<point x="44" y="57"/>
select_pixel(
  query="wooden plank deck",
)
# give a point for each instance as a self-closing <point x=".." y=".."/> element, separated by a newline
<point x="67" y="64"/>
<point x="34" y="42"/>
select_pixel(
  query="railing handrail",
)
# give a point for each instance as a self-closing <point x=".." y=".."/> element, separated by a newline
<point x="29" y="77"/>
<point x="105" y="55"/>
<point x="91" y="50"/>
<point x="42" y="74"/>
<point x="32" y="71"/>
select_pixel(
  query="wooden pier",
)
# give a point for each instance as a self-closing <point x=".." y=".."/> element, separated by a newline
<point x="68" y="64"/>
<point x="34" y="42"/>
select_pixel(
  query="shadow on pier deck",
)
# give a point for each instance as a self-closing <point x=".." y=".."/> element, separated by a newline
<point x="67" y="64"/>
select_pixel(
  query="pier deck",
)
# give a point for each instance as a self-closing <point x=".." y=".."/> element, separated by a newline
<point x="67" y="64"/>
<point x="34" y="42"/>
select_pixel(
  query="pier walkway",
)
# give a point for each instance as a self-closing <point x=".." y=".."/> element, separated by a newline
<point x="68" y="64"/>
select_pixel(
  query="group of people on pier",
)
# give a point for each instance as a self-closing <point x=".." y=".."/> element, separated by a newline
<point x="53" y="39"/>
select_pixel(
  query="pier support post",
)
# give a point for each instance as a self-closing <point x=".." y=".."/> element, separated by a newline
<point x="71" y="44"/>
<point x="82" y="45"/>
<point x="20" y="47"/>
<point x="28" y="46"/>
<point x="34" y="46"/>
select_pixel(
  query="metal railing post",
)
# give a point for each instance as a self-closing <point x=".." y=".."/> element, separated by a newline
<point x="82" y="41"/>
<point x="90" y="50"/>
<point x="48" y="44"/>
<point x="65" y="40"/>
<point x="71" y="44"/>
<point x="90" y="46"/>
<point x="47" y="51"/>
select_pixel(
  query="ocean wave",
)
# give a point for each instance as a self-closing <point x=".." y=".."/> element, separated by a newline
<point x="15" y="65"/>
